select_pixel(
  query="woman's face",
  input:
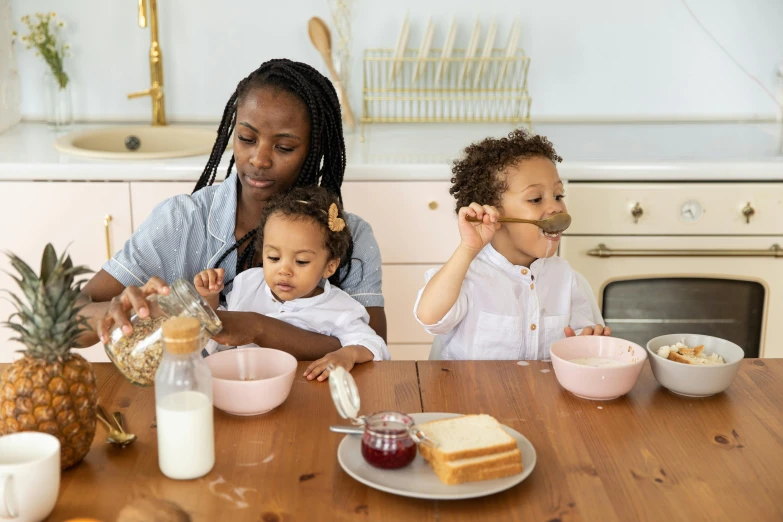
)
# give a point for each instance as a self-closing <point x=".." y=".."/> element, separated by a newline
<point x="271" y="141"/>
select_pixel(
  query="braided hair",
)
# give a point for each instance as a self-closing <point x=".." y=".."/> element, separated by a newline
<point x="324" y="164"/>
<point x="314" y="204"/>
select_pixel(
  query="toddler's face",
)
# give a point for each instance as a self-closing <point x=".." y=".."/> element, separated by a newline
<point x="295" y="258"/>
<point x="534" y="191"/>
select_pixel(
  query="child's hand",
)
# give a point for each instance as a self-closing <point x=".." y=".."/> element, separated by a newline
<point x="209" y="282"/>
<point x="345" y="357"/>
<point x="590" y="330"/>
<point x="476" y="235"/>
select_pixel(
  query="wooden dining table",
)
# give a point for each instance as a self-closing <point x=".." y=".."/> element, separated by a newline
<point x="650" y="455"/>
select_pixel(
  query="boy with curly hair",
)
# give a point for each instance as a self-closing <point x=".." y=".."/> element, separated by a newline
<point x="504" y="294"/>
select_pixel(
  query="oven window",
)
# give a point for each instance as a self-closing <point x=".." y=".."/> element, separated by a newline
<point x="640" y="309"/>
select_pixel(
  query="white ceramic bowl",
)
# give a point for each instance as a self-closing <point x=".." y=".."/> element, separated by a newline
<point x="251" y="381"/>
<point x="597" y="383"/>
<point x="694" y="380"/>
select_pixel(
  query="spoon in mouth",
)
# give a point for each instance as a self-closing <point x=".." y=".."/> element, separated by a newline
<point x="552" y="225"/>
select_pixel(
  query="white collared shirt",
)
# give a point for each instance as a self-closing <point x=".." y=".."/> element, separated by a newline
<point x="512" y="312"/>
<point x="333" y="313"/>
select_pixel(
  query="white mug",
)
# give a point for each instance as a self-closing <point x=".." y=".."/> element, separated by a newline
<point x="29" y="476"/>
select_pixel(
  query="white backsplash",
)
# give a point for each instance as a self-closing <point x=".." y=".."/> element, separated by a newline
<point x="602" y="58"/>
<point x="9" y="76"/>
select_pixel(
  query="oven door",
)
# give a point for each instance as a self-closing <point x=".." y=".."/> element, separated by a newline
<point x="720" y="286"/>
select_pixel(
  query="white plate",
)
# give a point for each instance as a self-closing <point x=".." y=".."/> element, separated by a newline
<point x="399" y="51"/>
<point x="418" y="480"/>
<point x="472" y="46"/>
<point x="424" y="51"/>
<point x="448" y="46"/>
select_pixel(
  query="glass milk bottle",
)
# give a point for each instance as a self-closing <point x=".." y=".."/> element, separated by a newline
<point x="183" y="403"/>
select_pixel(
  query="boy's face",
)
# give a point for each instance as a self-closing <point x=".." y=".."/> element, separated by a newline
<point x="295" y="258"/>
<point x="534" y="191"/>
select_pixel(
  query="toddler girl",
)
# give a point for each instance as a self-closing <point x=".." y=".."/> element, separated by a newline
<point x="302" y="239"/>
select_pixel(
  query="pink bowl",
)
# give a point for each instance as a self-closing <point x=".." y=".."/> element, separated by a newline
<point x="251" y="381"/>
<point x="597" y="383"/>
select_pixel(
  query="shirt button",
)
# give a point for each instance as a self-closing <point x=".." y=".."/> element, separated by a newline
<point x="532" y="286"/>
<point x="524" y="271"/>
<point x="532" y="327"/>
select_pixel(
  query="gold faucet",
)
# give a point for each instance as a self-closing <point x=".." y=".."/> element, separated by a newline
<point x="156" y="64"/>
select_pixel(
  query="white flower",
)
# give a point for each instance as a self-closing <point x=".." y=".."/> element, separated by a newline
<point x="61" y="24"/>
<point x="39" y="39"/>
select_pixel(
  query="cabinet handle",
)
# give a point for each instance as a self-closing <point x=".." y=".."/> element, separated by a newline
<point x="106" y="222"/>
<point x="748" y="212"/>
<point x="637" y="212"/>
<point x="433" y="205"/>
<point x="604" y="251"/>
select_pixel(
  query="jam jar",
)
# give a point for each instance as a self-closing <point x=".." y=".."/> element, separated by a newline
<point x="138" y="355"/>
<point x="387" y="442"/>
<point x="390" y="439"/>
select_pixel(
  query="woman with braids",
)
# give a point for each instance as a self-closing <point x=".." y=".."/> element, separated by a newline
<point x="287" y="132"/>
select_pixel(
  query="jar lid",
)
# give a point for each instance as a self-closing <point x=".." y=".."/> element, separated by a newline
<point x="345" y="394"/>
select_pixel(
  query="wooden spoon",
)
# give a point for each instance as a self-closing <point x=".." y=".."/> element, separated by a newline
<point x="322" y="41"/>
<point x="551" y="225"/>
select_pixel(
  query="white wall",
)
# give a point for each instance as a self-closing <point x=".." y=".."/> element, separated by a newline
<point x="597" y="58"/>
<point x="9" y="77"/>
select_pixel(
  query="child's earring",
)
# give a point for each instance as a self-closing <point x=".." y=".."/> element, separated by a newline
<point x="336" y="224"/>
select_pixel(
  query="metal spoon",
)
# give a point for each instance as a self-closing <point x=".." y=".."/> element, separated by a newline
<point x="350" y="430"/>
<point x="116" y="436"/>
<point x="551" y="225"/>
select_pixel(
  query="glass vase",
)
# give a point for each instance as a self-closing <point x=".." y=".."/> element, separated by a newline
<point x="57" y="102"/>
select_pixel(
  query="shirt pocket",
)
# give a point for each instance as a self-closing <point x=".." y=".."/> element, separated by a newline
<point x="498" y="337"/>
<point x="553" y="330"/>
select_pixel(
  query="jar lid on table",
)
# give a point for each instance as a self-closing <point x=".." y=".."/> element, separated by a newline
<point x="345" y="396"/>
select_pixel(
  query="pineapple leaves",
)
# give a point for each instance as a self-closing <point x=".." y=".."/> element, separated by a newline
<point x="49" y="262"/>
<point x="48" y="320"/>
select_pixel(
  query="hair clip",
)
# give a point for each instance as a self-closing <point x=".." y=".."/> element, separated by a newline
<point x="336" y="224"/>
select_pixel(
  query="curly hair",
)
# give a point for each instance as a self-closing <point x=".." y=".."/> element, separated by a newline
<point x="312" y="203"/>
<point x="478" y="175"/>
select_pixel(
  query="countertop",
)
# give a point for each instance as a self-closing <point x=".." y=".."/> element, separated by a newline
<point x="649" y="455"/>
<point x="424" y="152"/>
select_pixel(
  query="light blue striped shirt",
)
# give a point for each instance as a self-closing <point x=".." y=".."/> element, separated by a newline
<point x="188" y="233"/>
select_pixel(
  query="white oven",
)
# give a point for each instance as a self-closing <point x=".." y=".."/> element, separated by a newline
<point x="683" y="258"/>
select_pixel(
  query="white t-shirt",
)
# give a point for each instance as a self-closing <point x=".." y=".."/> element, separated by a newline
<point x="509" y="312"/>
<point x="333" y="313"/>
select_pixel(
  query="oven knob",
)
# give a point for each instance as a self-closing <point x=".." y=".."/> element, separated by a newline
<point x="748" y="212"/>
<point x="637" y="212"/>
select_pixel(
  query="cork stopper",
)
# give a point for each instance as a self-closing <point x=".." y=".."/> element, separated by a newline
<point x="182" y="335"/>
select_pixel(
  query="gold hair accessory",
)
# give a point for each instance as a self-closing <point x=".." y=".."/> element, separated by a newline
<point x="336" y="224"/>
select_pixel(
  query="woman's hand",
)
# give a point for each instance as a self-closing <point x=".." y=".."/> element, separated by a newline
<point x="590" y="330"/>
<point x="476" y="235"/>
<point x="239" y="328"/>
<point x="132" y="298"/>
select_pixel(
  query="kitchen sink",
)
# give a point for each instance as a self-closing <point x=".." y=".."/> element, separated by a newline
<point x="138" y="142"/>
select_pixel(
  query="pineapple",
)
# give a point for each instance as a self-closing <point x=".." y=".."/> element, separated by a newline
<point x="50" y="389"/>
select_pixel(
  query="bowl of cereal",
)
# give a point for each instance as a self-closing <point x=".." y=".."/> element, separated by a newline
<point x="251" y="381"/>
<point x="597" y="367"/>
<point x="694" y="365"/>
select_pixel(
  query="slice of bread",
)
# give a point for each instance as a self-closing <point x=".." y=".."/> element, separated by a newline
<point x="479" y="463"/>
<point x="465" y="437"/>
<point x="459" y="475"/>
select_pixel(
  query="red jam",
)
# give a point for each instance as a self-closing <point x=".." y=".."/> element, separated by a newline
<point x="387" y="442"/>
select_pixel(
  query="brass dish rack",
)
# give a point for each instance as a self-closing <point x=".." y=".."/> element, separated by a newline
<point x="449" y="90"/>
